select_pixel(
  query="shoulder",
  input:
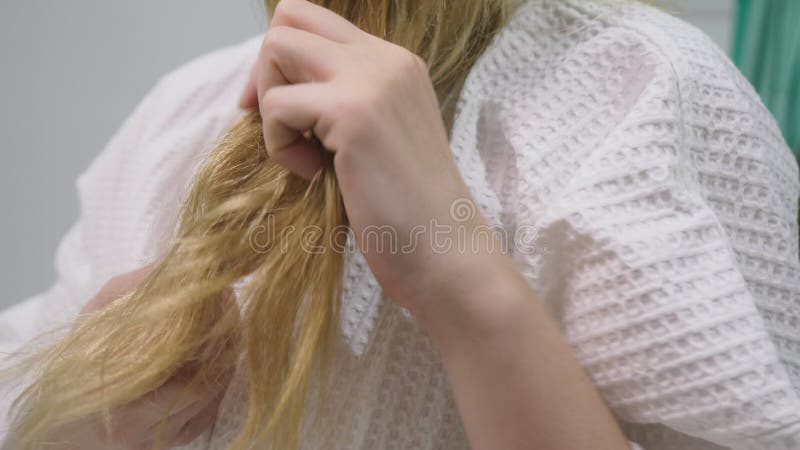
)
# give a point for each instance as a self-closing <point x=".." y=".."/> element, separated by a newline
<point x="574" y="79"/>
<point x="605" y="53"/>
<point x="658" y="183"/>
<point x="570" y="48"/>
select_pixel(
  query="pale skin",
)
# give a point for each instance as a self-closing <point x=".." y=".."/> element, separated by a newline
<point x="516" y="381"/>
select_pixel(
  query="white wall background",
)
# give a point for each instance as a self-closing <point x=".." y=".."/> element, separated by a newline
<point x="70" y="72"/>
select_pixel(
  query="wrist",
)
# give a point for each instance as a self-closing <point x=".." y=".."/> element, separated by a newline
<point x="485" y="296"/>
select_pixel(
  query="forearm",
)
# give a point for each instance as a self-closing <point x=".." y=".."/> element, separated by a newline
<point x="516" y="381"/>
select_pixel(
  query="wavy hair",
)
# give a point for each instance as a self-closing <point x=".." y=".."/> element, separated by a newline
<point x="290" y="298"/>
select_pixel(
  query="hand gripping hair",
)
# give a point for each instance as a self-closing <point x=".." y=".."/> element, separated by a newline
<point x="290" y="297"/>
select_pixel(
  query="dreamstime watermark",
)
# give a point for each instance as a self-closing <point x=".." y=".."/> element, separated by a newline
<point x="458" y="234"/>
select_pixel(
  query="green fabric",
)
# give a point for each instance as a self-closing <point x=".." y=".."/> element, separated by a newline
<point x="767" y="51"/>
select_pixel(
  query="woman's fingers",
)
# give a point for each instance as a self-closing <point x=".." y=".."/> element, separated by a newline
<point x="170" y="431"/>
<point x="287" y="111"/>
<point x="304" y="15"/>
<point x="288" y="56"/>
<point x="178" y="398"/>
<point x="142" y="419"/>
<point x="299" y="15"/>
<point x="193" y="425"/>
<point x="293" y="56"/>
<point x="303" y="47"/>
<point x="171" y="397"/>
<point x="301" y="157"/>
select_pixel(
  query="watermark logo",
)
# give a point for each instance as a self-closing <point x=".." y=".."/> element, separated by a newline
<point x="462" y="210"/>
<point x="458" y="234"/>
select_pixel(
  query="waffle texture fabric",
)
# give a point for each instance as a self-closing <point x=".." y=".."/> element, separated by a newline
<point x="647" y="194"/>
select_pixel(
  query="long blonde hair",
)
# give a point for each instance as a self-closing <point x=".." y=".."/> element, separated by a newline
<point x="291" y="298"/>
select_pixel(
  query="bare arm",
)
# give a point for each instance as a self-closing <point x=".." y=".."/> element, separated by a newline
<point x="514" y="377"/>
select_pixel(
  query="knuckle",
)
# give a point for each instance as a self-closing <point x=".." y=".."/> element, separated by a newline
<point x="410" y="61"/>
<point x="269" y="102"/>
<point x="283" y="10"/>
<point x="275" y="37"/>
<point x="421" y="64"/>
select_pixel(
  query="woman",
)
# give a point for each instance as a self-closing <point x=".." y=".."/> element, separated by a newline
<point x="649" y="197"/>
